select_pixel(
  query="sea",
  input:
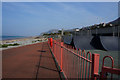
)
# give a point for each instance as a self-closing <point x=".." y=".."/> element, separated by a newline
<point x="10" y="37"/>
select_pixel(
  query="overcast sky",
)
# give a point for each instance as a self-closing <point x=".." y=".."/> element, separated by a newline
<point x="32" y="18"/>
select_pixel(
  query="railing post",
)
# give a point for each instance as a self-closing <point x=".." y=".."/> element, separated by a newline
<point x="51" y="42"/>
<point x="95" y="66"/>
<point x="61" y="55"/>
<point x="55" y="47"/>
<point x="103" y="75"/>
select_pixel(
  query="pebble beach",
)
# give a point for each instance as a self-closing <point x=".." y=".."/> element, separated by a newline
<point x="21" y="42"/>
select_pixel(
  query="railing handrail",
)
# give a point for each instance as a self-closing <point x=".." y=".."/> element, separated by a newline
<point x="92" y="59"/>
<point x="111" y="60"/>
<point x="111" y="69"/>
<point x="83" y="57"/>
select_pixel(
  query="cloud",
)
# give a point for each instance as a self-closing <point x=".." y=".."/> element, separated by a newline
<point x="38" y="17"/>
<point x="66" y="11"/>
<point x="82" y="13"/>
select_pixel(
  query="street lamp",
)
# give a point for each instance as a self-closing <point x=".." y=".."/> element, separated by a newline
<point x="76" y="30"/>
<point x="96" y="29"/>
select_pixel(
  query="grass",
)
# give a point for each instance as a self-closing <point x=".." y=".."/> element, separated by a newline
<point x="6" y="45"/>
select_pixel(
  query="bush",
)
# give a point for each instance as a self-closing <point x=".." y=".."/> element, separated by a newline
<point x="4" y="45"/>
<point x="33" y="41"/>
<point x="0" y="45"/>
<point x="15" y="44"/>
<point x="39" y="40"/>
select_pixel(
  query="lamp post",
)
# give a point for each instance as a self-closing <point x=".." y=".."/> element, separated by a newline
<point x="62" y="33"/>
<point x="113" y="29"/>
<point x="118" y="31"/>
<point x="97" y="30"/>
<point x="76" y="30"/>
<point x="89" y="31"/>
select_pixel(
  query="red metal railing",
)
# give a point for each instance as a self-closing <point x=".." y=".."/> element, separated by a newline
<point x="79" y="64"/>
<point x="75" y="63"/>
<point x="106" y="70"/>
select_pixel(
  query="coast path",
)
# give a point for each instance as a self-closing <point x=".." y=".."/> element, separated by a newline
<point x="30" y="61"/>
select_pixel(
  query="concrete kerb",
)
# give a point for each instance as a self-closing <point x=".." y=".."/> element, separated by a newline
<point x="62" y="77"/>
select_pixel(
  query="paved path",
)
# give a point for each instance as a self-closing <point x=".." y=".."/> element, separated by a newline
<point x="31" y="61"/>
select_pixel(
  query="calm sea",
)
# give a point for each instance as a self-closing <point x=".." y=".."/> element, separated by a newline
<point x="10" y="37"/>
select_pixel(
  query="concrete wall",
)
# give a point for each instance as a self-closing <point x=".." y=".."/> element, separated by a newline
<point x="101" y="31"/>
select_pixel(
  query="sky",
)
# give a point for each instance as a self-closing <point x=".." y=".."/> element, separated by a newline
<point x="33" y="18"/>
<point x="60" y="0"/>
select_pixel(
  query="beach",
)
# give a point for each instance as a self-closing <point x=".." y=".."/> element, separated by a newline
<point x="21" y="42"/>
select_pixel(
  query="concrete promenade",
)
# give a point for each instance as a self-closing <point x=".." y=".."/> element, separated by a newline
<point x="30" y="61"/>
